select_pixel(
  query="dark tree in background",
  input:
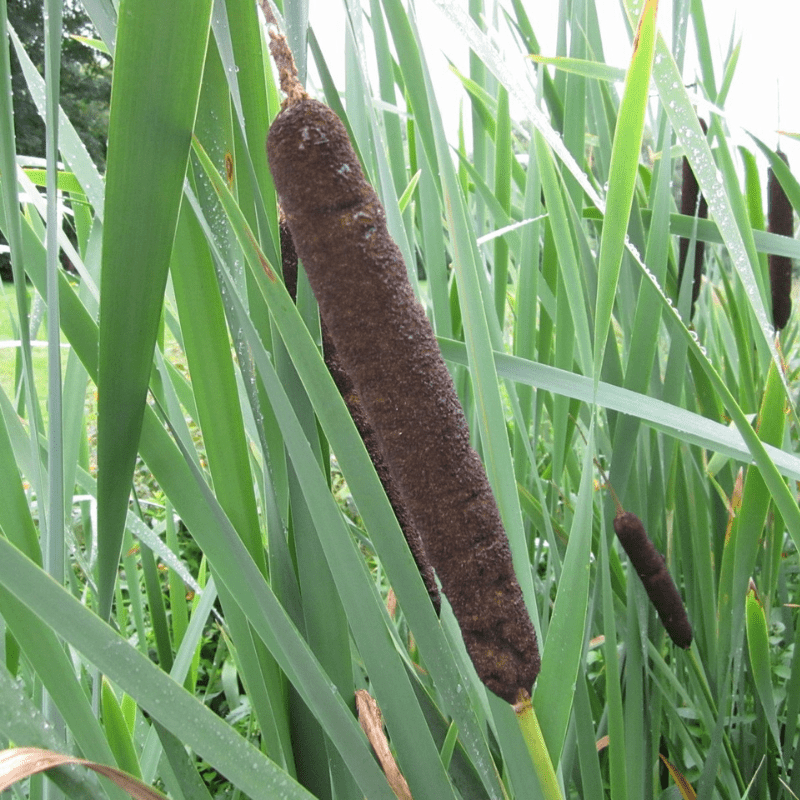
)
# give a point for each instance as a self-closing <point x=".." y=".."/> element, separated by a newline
<point x="85" y="80"/>
<point x="85" y="84"/>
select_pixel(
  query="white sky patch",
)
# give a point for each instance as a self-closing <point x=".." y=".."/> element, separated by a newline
<point x="762" y="99"/>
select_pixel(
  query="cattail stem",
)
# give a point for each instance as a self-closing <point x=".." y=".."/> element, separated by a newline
<point x="532" y="734"/>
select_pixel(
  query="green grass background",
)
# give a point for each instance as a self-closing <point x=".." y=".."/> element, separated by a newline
<point x="181" y="593"/>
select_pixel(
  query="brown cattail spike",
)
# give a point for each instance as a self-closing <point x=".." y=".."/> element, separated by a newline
<point x="389" y="350"/>
<point x="652" y="570"/>
<point x="348" y="392"/>
<point x="689" y="205"/>
<point x="781" y="221"/>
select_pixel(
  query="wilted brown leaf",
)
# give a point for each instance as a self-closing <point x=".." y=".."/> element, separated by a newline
<point x="369" y="715"/>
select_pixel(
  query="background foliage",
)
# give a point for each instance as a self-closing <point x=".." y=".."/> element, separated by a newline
<point x="199" y="567"/>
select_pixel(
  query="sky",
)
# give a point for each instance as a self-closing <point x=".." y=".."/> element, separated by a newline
<point x="764" y="97"/>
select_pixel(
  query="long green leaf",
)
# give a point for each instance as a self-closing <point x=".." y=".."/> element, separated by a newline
<point x="179" y="712"/>
<point x="622" y="176"/>
<point x="561" y="658"/>
<point x="153" y="105"/>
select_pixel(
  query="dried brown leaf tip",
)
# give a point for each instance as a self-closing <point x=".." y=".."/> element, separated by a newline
<point x="371" y="721"/>
<point x="389" y="351"/>
<point x="652" y="571"/>
<point x="283" y="58"/>
<point x="689" y="206"/>
<point x="781" y="221"/>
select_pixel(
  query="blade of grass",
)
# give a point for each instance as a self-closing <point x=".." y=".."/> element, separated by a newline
<point x="759" y="651"/>
<point x="22" y="721"/>
<point x="622" y="176"/>
<point x="171" y="471"/>
<point x="660" y="415"/>
<point x="563" y="646"/>
<point x="154" y="101"/>
<point x="155" y="692"/>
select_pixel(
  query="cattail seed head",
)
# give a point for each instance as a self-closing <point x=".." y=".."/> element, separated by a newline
<point x="781" y="221"/>
<point x="689" y="206"/>
<point x="345" y="386"/>
<point x="652" y="570"/>
<point x="389" y="350"/>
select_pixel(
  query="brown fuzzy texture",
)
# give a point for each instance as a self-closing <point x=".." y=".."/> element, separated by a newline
<point x="350" y="397"/>
<point x="389" y="350"/>
<point x="652" y="570"/>
<point x="781" y="221"/>
<point x="689" y="192"/>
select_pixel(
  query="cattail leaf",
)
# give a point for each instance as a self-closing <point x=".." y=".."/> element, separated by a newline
<point x="230" y="560"/>
<point x="755" y="206"/>
<point x="155" y="692"/>
<point x="119" y="736"/>
<point x="504" y="157"/>
<point x="72" y="149"/>
<point x="683" y="117"/>
<point x="554" y="695"/>
<point x="16" y="522"/>
<point x="646" y="321"/>
<point x="758" y="650"/>
<point x="155" y="95"/>
<point x="622" y="176"/>
<point x="43" y="648"/>
<point x="239" y="35"/>
<point x="580" y="66"/>
<point x="563" y="240"/>
<point x="207" y="347"/>
<point x="196" y="506"/>
<point x="24" y="762"/>
<point x="726" y="208"/>
<point x="206" y="343"/>
<point x="22" y="721"/>
<point x="748" y="527"/>
<point x="658" y="414"/>
<point x="408" y="192"/>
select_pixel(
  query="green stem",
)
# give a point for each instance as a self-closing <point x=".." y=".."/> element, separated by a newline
<point x="532" y="733"/>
